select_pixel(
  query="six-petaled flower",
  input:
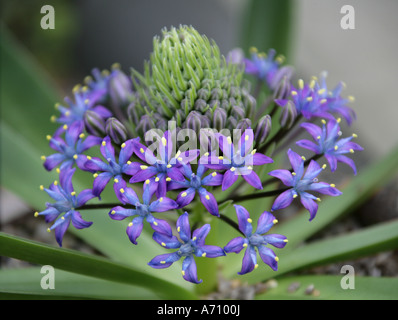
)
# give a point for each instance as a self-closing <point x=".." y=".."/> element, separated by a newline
<point x="188" y="248"/>
<point x="256" y="240"/>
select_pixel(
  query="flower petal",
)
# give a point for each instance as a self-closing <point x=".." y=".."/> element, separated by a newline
<point x="168" y="242"/>
<point x="189" y="271"/>
<point x="308" y="202"/>
<point x="284" y="175"/>
<point x="269" y="257"/>
<point x="209" y="201"/>
<point x="134" y="229"/>
<point x="277" y="240"/>
<point x="229" y="179"/>
<point x="100" y="182"/>
<point x="164" y="260"/>
<point x="244" y="220"/>
<point x="120" y="213"/>
<point x="265" y="222"/>
<point x="163" y="204"/>
<point x="235" y="245"/>
<point x="211" y="251"/>
<point x="78" y="221"/>
<point x="283" y="200"/>
<point x="53" y="160"/>
<point x="249" y="260"/>
<point x="161" y="227"/>
<point x="253" y="179"/>
<point x="185" y="197"/>
<point x="107" y="149"/>
<point x="183" y="227"/>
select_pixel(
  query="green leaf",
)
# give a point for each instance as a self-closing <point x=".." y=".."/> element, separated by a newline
<point x="267" y="24"/>
<point x="329" y="288"/>
<point x="88" y="265"/>
<point x="26" y="282"/>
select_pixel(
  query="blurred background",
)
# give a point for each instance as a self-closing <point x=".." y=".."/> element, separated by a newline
<point x="97" y="33"/>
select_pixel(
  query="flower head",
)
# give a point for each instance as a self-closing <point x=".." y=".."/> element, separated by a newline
<point x="63" y="210"/>
<point x="237" y="160"/>
<point x="143" y="211"/>
<point x="301" y="183"/>
<point x="112" y="168"/>
<point x="70" y="150"/>
<point x="195" y="182"/>
<point x="328" y="142"/>
<point x="188" y="248"/>
<point x="257" y="239"/>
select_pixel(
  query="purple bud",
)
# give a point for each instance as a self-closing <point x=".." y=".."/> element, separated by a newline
<point x="194" y="121"/>
<point x="235" y="56"/>
<point x="288" y="115"/>
<point x="244" y="124"/>
<point x="282" y="90"/>
<point x="120" y="88"/>
<point x="115" y="130"/>
<point x="219" y="118"/>
<point x="263" y="129"/>
<point x="94" y="123"/>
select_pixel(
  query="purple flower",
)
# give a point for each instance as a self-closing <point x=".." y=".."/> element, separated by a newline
<point x="264" y="66"/>
<point x="164" y="167"/>
<point x="187" y="249"/>
<point x="77" y="108"/>
<point x="237" y="160"/>
<point x="195" y="183"/>
<point x="328" y="142"/>
<point x="112" y="168"/>
<point x="63" y="211"/>
<point x="300" y="183"/>
<point x="143" y="211"/>
<point x="257" y="239"/>
<point x="70" y="150"/>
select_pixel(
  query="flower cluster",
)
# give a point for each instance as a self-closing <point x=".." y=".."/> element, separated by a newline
<point x="114" y="131"/>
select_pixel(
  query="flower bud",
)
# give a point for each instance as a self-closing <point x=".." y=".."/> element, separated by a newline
<point x="194" y="121"/>
<point x="282" y="90"/>
<point x="238" y="112"/>
<point x="263" y="129"/>
<point x="219" y="118"/>
<point x="120" y="88"/>
<point x="146" y="123"/>
<point x="244" y="124"/>
<point x="94" y="123"/>
<point x="288" y="115"/>
<point x="115" y="130"/>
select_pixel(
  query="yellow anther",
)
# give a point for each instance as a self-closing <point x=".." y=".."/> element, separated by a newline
<point x="143" y="167"/>
<point x="162" y="262"/>
<point x="253" y="50"/>
<point x="333" y="185"/>
<point x="128" y="162"/>
<point x="323" y="121"/>
<point x="155" y="223"/>
<point x="352" y="150"/>
<point x="214" y="174"/>
<point x="295" y="195"/>
<point x="318" y="199"/>
<point x="58" y="170"/>
<point x="249" y="220"/>
<point x="147" y="181"/>
<point x="113" y="212"/>
<point x="204" y="254"/>
<point x="321" y="91"/>
<point x="338" y="120"/>
<point x="254" y="151"/>
<point x="103" y="143"/>
<point x="88" y="79"/>
<point x="324" y="166"/>
<point x="123" y="145"/>
<point x="142" y="150"/>
<point x="95" y="175"/>
<point x="232" y="169"/>
<point x="250" y="167"/>
<point x="43" y="158"/>
<point x="67" y="113"/>
<point x="160" y="199"/>
<point x="169" y="166"/>
<point x="220" y="157"/>
<point x="354" y="135"/>
<point x="84" y="88"/>
<point x="87" y="101"/>
<point x="244" y="245"/>
<point x="206" y="154"/>
<point x="293" y="93"/>
<point x="351" y="98"/>
<point x="62" y="218"/>
<point x="41" y="187"/>
<point x="276" y="259"/>
<point x="280" y="59"/>
<point x="184" y="194"/>
<point x="76" y="88"/>
<point x="183" y="272"/>
<point x="286" y="240"/>
<point x="247" y="137"/>
<point x="301" y="83"/>
<point x="178" y="229"/>
<point x="275" y="221"/>
<point x="89" y="158"/>
<point x="164" y="141"/>
<point x="256" y="266"/>
<point x="53" y="118"/>
<point x="75" y="157"/>
<point x="73" y="193"/>
<point x="65" y="127"/>
<point x="302" y="157"/>
<point x="55" y="183"/>
<point x="36" y="214"/>
<point x="293" y="173"/>
<point x="312" y="84"/>
<point x="336" y="147"/>
<point x="179" y="159"/>
<point x="57" y="105"/>
<point x="157" y="179"/>
<point x="323" y="101"/>
<point x="116" y="180"/>
<point x="130" y="224"/>
<point x="309" y="98"/>
<point x="163" y="244"/>
<point x="207" y="197"/>
<point x="229" y="140"/>
<point x="48" y="230"/>
<point x="168" y="179"/>
<point x="121" y="190"/>
<point x="48" y="137"/>
<point x="318" y="137"/>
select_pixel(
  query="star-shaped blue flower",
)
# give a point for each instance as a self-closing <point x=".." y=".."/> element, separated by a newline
<point x="188" y="248"/>
<point x="301" y="183"/>
<point x="237" y="160"/>
<point x="63" y="211"/>
<point x="112" y="168"/>
<point x="328" y="142"/>
<point x="195" y="182"/>
<point x="70" y="150"/>
<point x="256" y="240"/>
<point x="143" y="211"/>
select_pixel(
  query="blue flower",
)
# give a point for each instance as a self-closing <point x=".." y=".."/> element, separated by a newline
<point x="300" y="183"/>
<point x="143" y="211"/>
<point x="257" y="239"/>
<point x="112" y="168"/>
<point x="63" y="211"/>
<point x="164" y="167"/>
<point x="187" y="249"/>
<point x="237" y="160"/>
<point x="70" y="150"/>
<point x="329" y="144"/>
<point x="195" y="183"/>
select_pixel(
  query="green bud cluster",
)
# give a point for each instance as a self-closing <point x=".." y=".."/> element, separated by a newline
<point x="186" y="73"/>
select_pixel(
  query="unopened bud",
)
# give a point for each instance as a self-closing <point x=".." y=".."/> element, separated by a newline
<point x="146" y="123"/>
<point x="288" y="115"/>
<point x="263" y="129"/>
<point x="219" y="118"/>
<point x="115" y="130"/>
<point x="94" y="123"/>
<point x="282" y="90"/>
<point x="244" y="124"/>
<point x="120" y="88"/>
<point x="194" y="121"/>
